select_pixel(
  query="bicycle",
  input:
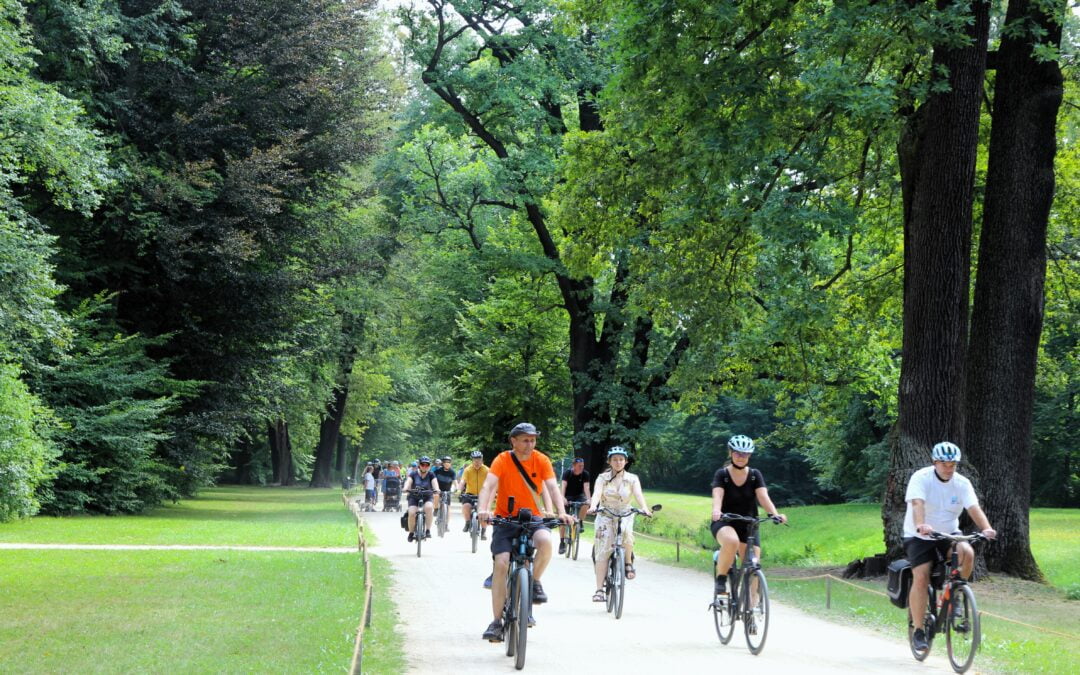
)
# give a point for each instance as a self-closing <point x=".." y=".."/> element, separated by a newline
<point x="956" y="615"/>
<point x="615" y="580"/>
<point x="519" y="582"/>
<point x="442" y="518"/>
<point x="474" y="517"/>
<point x="739" y="603"/>
<point x="421" y="518"/>
<point x="573" y="508"/>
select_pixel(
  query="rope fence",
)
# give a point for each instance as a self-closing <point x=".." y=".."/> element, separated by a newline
<point x="365" y="613"/>
<point x="829" y="578"/>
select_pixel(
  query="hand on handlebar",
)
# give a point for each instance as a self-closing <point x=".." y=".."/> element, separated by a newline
<point x="924" y="529"/>
<point x="485" y="517"/>
<point x="717" y="514"/>
<point x="990" y="533"/>
<point x="591" y="511"/>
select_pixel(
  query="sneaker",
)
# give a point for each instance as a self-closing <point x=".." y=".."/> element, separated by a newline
<point x="494" y="632"/>
<point x="466" y="528"/>
<point x="487" y="582"/>
<point x="427" y="534"/>
<point x="720" y="587"/>
<point x="532" y="621"/>
<point x="483" y="535"/>
<point x="562" y="546"/>
<point x="412" y="536"/>
<point x="539" y="596"/>
<point x="918" y="640"/>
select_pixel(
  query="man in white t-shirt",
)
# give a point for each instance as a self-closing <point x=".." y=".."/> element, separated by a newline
<point x="936" y="495"/>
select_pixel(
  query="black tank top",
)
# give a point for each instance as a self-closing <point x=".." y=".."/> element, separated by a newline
<point x="739" y="499"/>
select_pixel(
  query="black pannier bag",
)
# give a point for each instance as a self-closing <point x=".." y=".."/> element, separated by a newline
<point x="898" y="584"/>
<point x="405" y="523"/>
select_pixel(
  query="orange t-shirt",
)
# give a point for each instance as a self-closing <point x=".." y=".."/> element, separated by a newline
<point x="511" y="484"/>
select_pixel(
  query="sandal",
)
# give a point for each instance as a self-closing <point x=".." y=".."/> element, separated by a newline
<point x="630" y="571"/>
<point x="599" y="596"/>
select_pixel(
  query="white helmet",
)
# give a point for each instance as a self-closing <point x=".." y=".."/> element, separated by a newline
<point x="945" y="452"/>
<point x="741" y="443"/>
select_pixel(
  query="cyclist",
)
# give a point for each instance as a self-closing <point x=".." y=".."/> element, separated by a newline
<point x="423" y="479"/>
<point x="376" y="472"/>
<point x="444" y="473"/>
<point x="575" y="488"/>
<point x="935" y="497"/>
<point x="471" y="481"/>
<point x="614" y="490"/>
<point x="369" y="486"/>
<point x="736" y="488"/>
<point x="526" y="475"/>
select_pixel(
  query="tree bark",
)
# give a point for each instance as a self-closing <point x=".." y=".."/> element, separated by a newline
<point x="1007" y="317"/>
<point x="329" y="429"/>
<point x="937" y="165"/>
<point x="281" y="453"/>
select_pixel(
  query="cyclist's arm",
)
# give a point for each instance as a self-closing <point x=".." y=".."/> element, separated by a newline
<point x="408" y="484"/>
<point x="918" y="516"/>
<point x="564" y="490"/>
<point x="552" y="491"/>
<point x="639" y="496"/>
<point x="717" y="502"/>
<point x="588" y="492"/>
<point x="594" y="502"/>
<point x="981" y="521"/>
<point x="766" y="503"/>
<point x="487" y="494"/>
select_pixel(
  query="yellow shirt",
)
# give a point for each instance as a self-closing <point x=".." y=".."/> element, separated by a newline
<point x="474" y="478"/>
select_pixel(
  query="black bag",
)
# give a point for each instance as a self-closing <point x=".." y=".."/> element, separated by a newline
<point x="405" y="521"/>
<point x="899" y="583"/>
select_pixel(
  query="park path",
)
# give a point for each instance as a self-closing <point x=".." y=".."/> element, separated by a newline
<point x="665" y="626"/>
<point x="170" y="547"/>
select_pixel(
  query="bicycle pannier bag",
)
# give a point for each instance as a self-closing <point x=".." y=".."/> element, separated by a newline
<point x="899" y="583"/>
<point x="405" y="521"/>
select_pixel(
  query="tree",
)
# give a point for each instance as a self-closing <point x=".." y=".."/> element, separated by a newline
<point x="1007" y="317"/>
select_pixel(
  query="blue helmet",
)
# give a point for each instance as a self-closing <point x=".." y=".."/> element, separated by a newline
<point x="618" y="450"/>
<point x="945" y="452"/>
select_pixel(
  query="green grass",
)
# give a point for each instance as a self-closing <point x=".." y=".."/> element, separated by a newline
<point x="221" y="516"/>
<point x="195" y="611"/>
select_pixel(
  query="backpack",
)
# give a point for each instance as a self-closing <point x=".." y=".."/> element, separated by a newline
<point x="898" y="583"/>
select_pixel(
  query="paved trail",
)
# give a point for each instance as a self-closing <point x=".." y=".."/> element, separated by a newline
<point x="665" y="626"/>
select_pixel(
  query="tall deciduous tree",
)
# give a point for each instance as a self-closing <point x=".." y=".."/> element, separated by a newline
<point x="1007" y="317"/>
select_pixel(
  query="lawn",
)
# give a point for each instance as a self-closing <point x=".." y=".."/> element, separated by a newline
<point x="194" y="611"/>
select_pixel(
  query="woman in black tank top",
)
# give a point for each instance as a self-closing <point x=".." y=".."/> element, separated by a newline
<point x="736" y="488"/>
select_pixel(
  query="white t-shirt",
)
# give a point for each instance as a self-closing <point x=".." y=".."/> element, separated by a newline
<point x="369" y="481"/>
<point x="943" y="501"/>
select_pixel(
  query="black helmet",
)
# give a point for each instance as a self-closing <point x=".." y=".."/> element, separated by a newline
<point x="446" y="459"/>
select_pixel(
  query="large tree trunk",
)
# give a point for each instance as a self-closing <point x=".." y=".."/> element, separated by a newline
<point x="937" y="164"/>
<point x="281" y="453"/>
<point x="1007" y="318"/>
<point x="328" y="438"/>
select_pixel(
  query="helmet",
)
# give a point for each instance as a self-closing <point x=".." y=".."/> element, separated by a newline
<point x="740" y="443"/>
<point x="424" y="460"/>
<point x="618" y="450"/>
<point x="945" y="452"/>
<point x="579" y="460"/>
<point x="446" y="459"/>
<point x="524" y="428"/>
<point x="476" y="454"/>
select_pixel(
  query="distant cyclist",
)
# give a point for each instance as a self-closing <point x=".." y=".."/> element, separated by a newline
<point x="576" y="483"/>
<point x="525" y="475"/>
<point x="422" y="479"/>
<point x="936" y="495"/>
<point x="471" y="482"/>
<point x="736" y="488"/>
<point x="444" y="473"/>
<point x="615" y="488"/>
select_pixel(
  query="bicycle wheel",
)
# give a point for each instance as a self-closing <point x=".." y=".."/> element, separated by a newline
<point x="524" y="609"/>
<point x="510" y="618"/>
<point x="609" y="584"/>
<point x="474" y="530"/>
<point x="724" y="618"/>
<point x="962" y="629"/>
<point x="575" y="540"/>
<point x="756" y="621"/>
<point x="620" y="582"/>
<point x="928" y="624"/>
<point x="444" y="526"/>
<point x="419" y="532"/>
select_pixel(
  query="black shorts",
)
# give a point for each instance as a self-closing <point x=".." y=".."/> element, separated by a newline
<point x="504" y="536"/>
<point x="919" y="551"/>
<point x="741" y="529"/>
<point x="578" y="498"/>
<point x="420" y="500"/>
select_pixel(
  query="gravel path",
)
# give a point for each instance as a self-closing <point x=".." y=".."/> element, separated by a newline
<point x="665" y="626"/>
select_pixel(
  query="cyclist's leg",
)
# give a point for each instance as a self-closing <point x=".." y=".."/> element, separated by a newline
<point x="728" y="540"/>
<point x="412" y="516"/>
<point x="498" y="583"/>
<point x="628" y="548"/>
<point x="542" y="542"/>
<point x="466" y="511"/>
<point x="582" y="512"/>
<point x="920" y="582"/>
<point x="429" y="509"/>
<point x="966" y="555"/>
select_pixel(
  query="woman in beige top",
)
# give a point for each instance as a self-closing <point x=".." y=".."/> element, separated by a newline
<point x="613" y="491"/>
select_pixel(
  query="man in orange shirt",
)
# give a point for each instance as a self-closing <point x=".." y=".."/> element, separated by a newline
<point x="505" y="478"/>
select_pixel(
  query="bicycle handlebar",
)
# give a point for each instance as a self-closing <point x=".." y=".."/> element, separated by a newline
<point x="627" y="514"/>
<point x="975" y="536"/>
<point x="738" y="517"/>
<point x="530" y="525"/>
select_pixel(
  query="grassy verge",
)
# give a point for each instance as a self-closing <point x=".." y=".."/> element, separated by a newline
<point x="195" y="611"/>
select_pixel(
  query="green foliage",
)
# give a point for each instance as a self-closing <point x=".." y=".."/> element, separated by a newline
<point x="25" y="448"/>
<point x="113" y="403"/>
